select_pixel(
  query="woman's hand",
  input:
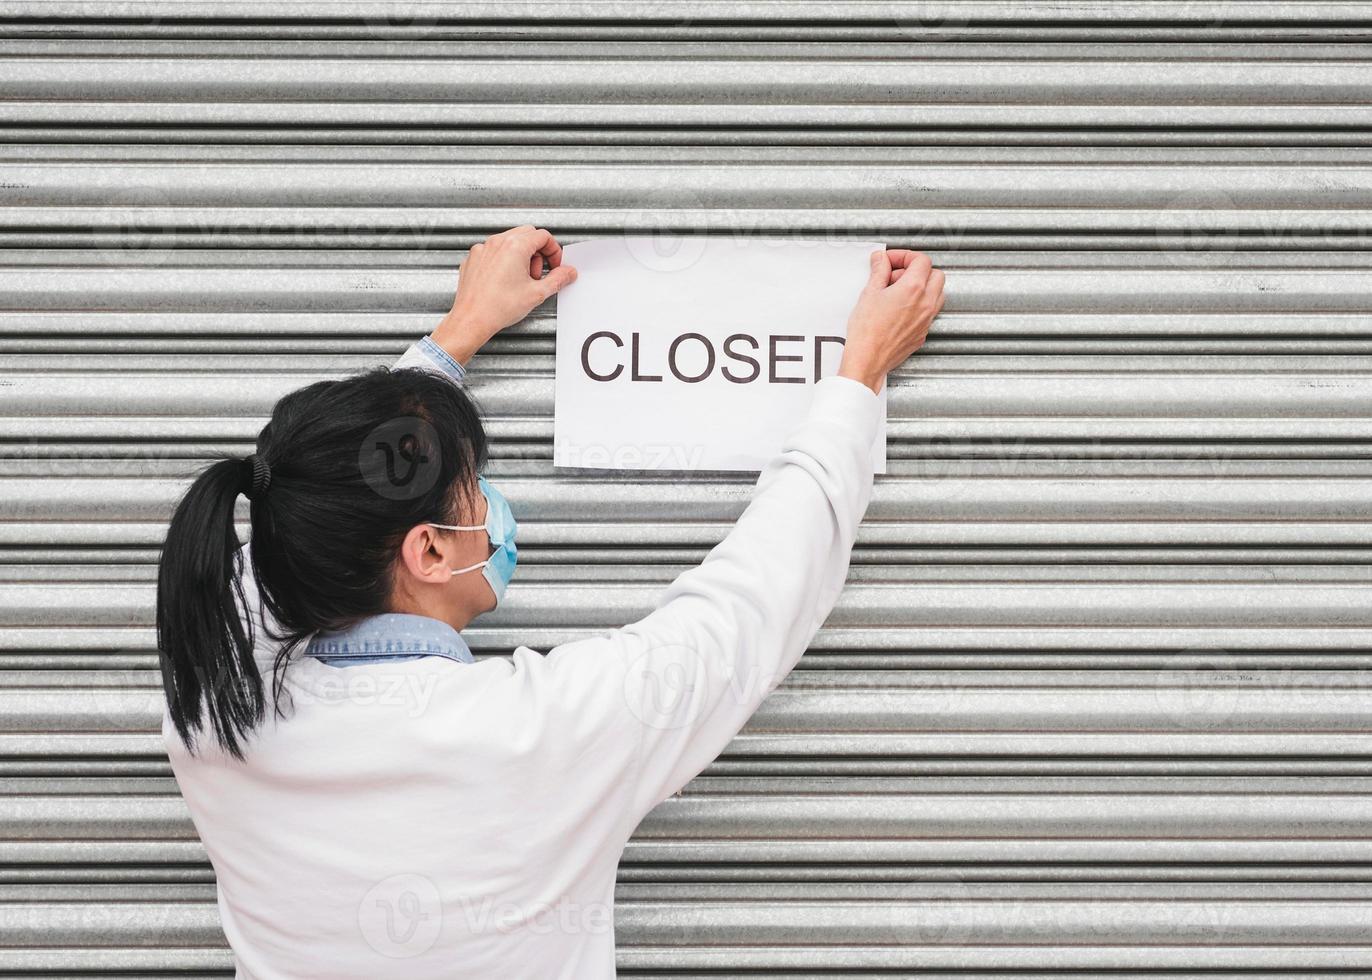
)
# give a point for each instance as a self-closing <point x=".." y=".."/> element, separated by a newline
<point x="501" y="281"/>
<point x="892" y="316"/>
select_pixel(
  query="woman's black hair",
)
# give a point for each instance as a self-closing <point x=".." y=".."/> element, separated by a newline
<point x="342" y="472"/>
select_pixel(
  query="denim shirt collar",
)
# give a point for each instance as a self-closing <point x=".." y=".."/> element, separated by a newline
<point x="389" y="637"/>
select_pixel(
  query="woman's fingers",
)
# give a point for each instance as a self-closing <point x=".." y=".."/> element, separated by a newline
<point x="556" y="279"/>
<point x="541" y="246"/>
<point x="935" y="283"/>
<point x="536" y="241"/>
<point x="908" y="266"/>
<point x="549" y="248"/>
<point x="915" y="269"/>
<point x="904" y="258"/>
<point x="889" y="324"/>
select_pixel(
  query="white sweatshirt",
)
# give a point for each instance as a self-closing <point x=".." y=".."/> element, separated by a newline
<point x="436" y="819"/>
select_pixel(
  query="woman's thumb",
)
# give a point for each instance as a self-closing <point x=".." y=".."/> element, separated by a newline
<point x="881" y="270"/>
<point x="563" y="275"/>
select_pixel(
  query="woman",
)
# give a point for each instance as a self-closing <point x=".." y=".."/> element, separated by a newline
<point x="377" y="804"/>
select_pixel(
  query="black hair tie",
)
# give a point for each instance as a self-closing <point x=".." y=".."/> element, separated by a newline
<point x="259" y="479"/>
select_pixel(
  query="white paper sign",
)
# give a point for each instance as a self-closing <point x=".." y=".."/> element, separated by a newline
<point x="698" y="353"/>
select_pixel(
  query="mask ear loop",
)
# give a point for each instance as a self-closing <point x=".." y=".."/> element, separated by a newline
<point x="462" y="527"/>
<point x="469" y="568"/>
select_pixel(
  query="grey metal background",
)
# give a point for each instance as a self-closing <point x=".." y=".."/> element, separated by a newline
<point x="1097" y="696"/>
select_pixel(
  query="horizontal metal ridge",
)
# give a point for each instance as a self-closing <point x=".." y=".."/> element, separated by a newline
<point x="845" y="42"/>
<point x="1084" y="471"/>
<point x="381" y="123"/>
<point x="1152" y="288"/>
<point x="906" y="507"/>
<point x="798" y="829"/>
<point x="386" y="332"/>
<point x="685" y="154"/>
<point x="1167" y="223"/>
<point x="1224" y="192"/>
<point x="704" y="11"/>
<point x="1194" y="712"/>
<point x="691" y="83"/>
<point x="1218" y="700"/>
<point x="1208" y="258"/>
<point x="939" y="408"/>
<point x="954" y="924"/>
<point x="1198" y="598"/>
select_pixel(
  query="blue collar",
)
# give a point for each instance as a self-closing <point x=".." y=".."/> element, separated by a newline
<point x="389" y="637"/>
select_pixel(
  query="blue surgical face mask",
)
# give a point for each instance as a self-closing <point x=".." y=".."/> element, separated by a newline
<point x="500" y="530"/>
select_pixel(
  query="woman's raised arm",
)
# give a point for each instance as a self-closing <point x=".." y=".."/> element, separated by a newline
<point x="666" y="694"/>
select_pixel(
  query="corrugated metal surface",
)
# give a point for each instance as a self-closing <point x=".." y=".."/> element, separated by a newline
<point x="1098" y="696"/>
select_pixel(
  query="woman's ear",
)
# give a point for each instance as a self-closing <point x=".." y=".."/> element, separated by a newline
<point x="426" y="555"/>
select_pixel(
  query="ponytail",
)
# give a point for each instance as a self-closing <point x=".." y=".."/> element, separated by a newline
<point x="204" y="643"/>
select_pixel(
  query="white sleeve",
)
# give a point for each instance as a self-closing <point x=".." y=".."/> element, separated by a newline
<point x="675" y="687"/>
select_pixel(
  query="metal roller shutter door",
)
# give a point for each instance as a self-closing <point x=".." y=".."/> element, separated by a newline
<point x="1097" y="696"/>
